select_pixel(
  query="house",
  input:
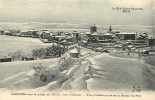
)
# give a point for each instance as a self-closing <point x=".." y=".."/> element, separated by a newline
<point x="24" y="34"/>
<point x="45" y="34"/>
<point x="7" y="32"/>
<point x="126" y="35"/>
<point x="74" y="53"/>
<point x="34" y="33"/>
<point x="76" y="36"/>
<point x="27" y="58"/>
<point x="1" y="32"/>
<point x="30" y="33"/>
<point x="84" y="36"/>
<point x="151" y="42"/>
<point x="93" y="29"/>
<point x="6" y="59"/>
<point x="108" y="36"/>
<point x="59" y="38"/>
<point x="100" y="37"/>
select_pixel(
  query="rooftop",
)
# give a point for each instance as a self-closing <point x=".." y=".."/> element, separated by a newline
<point x="126" y="33"/>
<point x="74" y="51"/>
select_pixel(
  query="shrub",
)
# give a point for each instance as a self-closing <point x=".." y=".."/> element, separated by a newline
<point x="52" y="51"/>
<point x="39" y="53"/>
<point x="16" y="55"/>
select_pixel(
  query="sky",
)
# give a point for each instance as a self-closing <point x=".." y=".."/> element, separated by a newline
<point x="82" y="11"/>
<point x="153" y="17"/>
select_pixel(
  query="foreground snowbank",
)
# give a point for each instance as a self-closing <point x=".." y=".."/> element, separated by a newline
<point x="92" y="71"/>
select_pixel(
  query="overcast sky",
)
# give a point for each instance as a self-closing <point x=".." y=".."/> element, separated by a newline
<point x="86" y="11"/>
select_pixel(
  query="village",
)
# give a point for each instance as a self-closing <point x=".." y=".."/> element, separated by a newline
<point x="75" y="60"/>
<point x="127" y="44"/>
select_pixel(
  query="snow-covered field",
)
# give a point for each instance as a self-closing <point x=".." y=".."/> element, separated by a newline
<point x="12" y="44"/>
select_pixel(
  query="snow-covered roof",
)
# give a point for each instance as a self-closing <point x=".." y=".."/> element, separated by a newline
<point x="60" y="36"/>
<point x="67" y="33"/>
<point x="75" y="32"/>
<point x="46" y="32"/>
<point x="88" y="33"/>
<point x="82" y="33"/>
<point x="74" y="51"/>
<point x="108" y="34"/>
<point x="126" y="33"/>
<point x="95" y="33"/>
<point x="64" y="41"/>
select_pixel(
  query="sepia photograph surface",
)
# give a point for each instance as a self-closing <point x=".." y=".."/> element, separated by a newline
<point x="85" y="46"/>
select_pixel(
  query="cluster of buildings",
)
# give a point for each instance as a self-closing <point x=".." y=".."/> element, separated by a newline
<point x="92" y="36"/>
<point x="29" y="33"/>
<point x="95" y="39"/>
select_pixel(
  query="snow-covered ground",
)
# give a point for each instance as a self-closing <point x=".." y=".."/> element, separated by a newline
<point x="106" y="73"/>
<point x="92" y="71"/>
<point x="120" y="73"/>
<point x="14" y="72"/>
<point x="10" y="44"/>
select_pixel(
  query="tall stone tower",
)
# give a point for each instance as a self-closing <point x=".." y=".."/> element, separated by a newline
<point x="110" y="29"/>
<point x="93" y="29"/>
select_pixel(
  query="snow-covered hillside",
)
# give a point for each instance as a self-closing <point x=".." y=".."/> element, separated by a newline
<point x="92" y="71"/>
<point x="12" y="73"/>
